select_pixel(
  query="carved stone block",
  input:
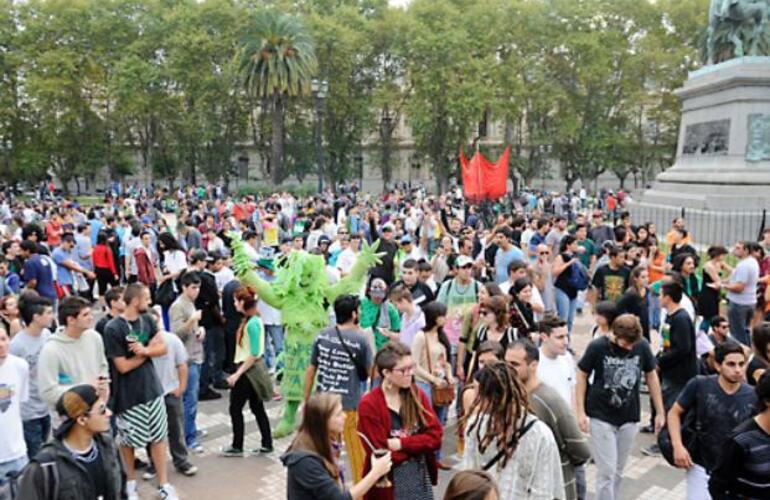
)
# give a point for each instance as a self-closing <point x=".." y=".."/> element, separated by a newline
<point x="707" y="138"/>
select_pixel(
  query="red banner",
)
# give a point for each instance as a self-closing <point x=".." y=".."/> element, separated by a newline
<point x="482" y="179"/>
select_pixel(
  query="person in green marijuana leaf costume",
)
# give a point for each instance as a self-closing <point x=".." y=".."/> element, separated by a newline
<point x="302" y="293"/>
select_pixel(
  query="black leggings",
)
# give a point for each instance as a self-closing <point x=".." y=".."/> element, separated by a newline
<point x="239" y="395"/>
<point x="104" y="277"/>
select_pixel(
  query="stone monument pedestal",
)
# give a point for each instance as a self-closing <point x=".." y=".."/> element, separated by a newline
<point x="723" y="152"/>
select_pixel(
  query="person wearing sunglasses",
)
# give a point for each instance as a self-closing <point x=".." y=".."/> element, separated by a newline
<point x="86" y="459"/>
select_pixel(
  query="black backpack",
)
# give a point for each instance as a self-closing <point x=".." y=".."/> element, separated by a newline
<point x="47" y="463"/>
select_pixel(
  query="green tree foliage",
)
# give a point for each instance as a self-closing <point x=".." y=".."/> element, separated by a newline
<point x="178" y="88"/>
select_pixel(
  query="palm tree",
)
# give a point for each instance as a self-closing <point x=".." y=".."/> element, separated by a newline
<point x="277" y="63"/>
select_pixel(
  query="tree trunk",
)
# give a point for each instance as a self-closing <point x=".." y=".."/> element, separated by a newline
<point x="276" y="165"/>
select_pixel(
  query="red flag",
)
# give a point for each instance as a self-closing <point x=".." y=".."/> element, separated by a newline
<point x="483" y="179"/>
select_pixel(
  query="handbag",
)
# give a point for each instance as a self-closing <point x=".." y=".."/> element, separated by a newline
<point x="165" y="294"/>
<point x="440" y="396"/>
<point x="260" y="380"/>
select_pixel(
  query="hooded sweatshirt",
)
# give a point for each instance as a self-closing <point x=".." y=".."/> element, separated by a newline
<point x="65" y="362"/>
<point x="74" y="482"/>
<point x="308" y="479"/>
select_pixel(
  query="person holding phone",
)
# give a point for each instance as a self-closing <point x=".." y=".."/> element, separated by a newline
<point x="313" y="471"/>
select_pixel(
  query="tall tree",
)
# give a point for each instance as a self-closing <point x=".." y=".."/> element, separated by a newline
<point x="277" y="62"/>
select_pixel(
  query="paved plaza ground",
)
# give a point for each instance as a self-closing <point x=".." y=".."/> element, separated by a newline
<point x="264" y="478"/>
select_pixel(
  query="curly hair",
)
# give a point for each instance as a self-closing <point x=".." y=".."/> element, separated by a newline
<point x="503" y="399"/>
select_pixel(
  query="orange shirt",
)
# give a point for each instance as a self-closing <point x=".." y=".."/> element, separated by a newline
<point x="659" y="260"/>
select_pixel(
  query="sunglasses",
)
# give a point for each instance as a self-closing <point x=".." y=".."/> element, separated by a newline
<point x="545" y="253"/>
<point x="99" y="410"/>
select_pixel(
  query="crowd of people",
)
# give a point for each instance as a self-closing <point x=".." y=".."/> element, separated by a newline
<point x="118" y="319"/>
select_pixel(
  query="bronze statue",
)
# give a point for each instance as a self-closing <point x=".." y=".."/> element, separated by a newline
<point x="737" y="28"/>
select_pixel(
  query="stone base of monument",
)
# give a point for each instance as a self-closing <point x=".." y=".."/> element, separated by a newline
<point x="723" y="153"/>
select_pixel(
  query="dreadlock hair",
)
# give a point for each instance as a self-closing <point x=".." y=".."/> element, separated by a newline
<point x="502" y="399"/>
<point x="413" y="413"/>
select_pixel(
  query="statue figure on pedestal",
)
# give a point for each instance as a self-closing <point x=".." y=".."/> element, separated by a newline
<point x="737" y="28"/>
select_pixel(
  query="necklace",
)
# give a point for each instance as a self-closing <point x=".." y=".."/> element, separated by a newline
<point x="87" y="456"/>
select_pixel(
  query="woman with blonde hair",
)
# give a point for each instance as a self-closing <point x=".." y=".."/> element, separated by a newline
<point x="313" y="471"/>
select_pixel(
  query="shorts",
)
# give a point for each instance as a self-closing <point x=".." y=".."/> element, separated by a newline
<point x="143" y="424"/>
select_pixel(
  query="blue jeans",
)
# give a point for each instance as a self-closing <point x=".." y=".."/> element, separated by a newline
<point x="739" y="318"/>
<point x="214" y="349"/>
<point x="275" y="348"/>
<point x="441" y="411"/>
<point x="654" y="308"/>
<point x="190" y="401"/>
<point x="36" y="432"/>
<point x="566" y="308"/>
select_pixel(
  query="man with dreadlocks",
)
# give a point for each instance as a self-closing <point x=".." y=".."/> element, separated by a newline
<point x="301" y="291"/>
<point x="504" y="439"/>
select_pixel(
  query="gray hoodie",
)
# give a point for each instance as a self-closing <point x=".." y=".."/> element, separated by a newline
<point x="65" y="362"/>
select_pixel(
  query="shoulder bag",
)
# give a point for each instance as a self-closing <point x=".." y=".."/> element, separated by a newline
<point x="514" y="440"/>
<point x="440" y="396"/>
<point x="363" y="374"/>
<point x="688" y="431"/>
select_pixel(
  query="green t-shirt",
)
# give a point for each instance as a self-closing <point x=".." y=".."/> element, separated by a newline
<point x="585" y="257"/>
<point x="253" y="341"/>
<point x="369" y="312"/>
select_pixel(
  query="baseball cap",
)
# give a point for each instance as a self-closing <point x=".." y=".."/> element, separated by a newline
<point x="406" y="239"/>
<point x="266" y="264"/>
<point x="198" y="255"/>
<point x="146" y="219"/>
<point x="387" y="229"/>
<point x="75" y="402"/>
<point x="324" y="239"/>
<point x="463" y="261"/>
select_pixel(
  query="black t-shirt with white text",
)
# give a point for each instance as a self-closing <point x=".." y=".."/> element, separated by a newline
<point x="141" y="384"/>
<point x="613" y="375"/>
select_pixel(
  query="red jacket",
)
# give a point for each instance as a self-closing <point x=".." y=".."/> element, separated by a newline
<point x="145" y="266"/>
<point x="374" y="422"/>
<point x="102" y="257"/>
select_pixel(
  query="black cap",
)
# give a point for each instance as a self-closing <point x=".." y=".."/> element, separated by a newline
<point x="75" y="402"/>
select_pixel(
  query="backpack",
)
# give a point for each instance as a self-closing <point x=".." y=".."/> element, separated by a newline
<point x="578" y="277"/>
<point x="47" y="463"/>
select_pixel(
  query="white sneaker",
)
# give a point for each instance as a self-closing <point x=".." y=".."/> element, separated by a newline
<point x="167" y="492"/>
<point x="131" y="492"/>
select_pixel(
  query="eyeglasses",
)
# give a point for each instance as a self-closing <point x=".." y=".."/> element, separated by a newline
<point x="405" y="370"/>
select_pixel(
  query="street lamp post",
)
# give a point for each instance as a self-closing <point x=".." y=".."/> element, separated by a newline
<point x="544" y="150"/>
<point x="320" y="89"/>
